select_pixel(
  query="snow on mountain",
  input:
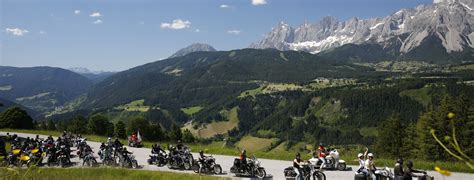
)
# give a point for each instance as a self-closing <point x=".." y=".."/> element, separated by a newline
<point x="83" y="70"/>
<point x="451" y="21"/>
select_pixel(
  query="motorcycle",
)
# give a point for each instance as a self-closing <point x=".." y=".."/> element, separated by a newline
<point x="178" y="162"/>
<point x="89" y="159"/>
<point x="188" y="159"/>
<point x="253" y="168"/>
<point x="19" y="158"/>
<point x="129" y="162"/>
<point x="63" y="156"/>
<point x="209" y="166"/>
<point x="107" y="157"/>
<point x="384" y="174"/>
<point x="332" y="161"/>
<point x="158" y="159"/>
<point x="306" y="172"/>
<point x="37" y="156"/>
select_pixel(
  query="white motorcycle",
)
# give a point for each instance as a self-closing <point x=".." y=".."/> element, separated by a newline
<point x="332" y="161"/>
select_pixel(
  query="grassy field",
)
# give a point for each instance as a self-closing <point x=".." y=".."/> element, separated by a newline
<point x="348" y="153"/>
<point x="255" y="144"/>
<point x="219" y="127"/>
<point x="191" y="110"/>
<point x="421" y="95"/>
<point x="96" y="173"/>
<point x="135" y="106"/>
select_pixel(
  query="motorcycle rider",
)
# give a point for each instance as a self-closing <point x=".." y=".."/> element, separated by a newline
<point x="125" y="154"/>
<point x="243" y="160"/>
<point x="362" y="162"/>
<point x="180" y="145"/>
<point x="297" y="165"/>
<point x="117" y="145"/>
<point x="409" y="171"/>
<point x="202" y="158"/>
<point x="370" y="165"/>
<point x="398" y="170"/>
<point x="322" y="152"/>
<point x="156" y="149"/>
<point x="109" y="142"/>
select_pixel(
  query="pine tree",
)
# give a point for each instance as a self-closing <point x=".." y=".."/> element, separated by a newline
<point x="15" y="117"/>
<point x="391" y="136"/>
<point x="120" y="130"/>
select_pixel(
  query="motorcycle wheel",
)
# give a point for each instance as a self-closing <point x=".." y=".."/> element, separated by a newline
<point x="134" y="164"/>
<point x="217" y="169"/>
<point x="150" y="162"/>
<point x="93" y="162"/>
<point x="187" y="166"/>
<point x="341" y="166"/>
<point x="196" y="168"/>
<point x="319" y="176"/>
<point x="29" y="163"/>
<point x="261" y="173"/>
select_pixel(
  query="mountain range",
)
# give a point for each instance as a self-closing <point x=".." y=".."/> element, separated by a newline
<point x="446" y="25"/>
<point x="41" y="88"/>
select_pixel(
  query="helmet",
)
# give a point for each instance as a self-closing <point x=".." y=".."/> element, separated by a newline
<point x="298" y="154"/>
<point x="400" y="160"/>
<point x="201" y="152"/>
<point x="321" y="144"/>
<point x="244" y="151"/>
<point x="409" y="163"/>
<point x="360" y="155"/>
<point x="179" y="141"/>
<point x="124" y="149"/>
<point x="370" y="155"/>
<point x="157" y="145"/>
<point x="109" y="138"/>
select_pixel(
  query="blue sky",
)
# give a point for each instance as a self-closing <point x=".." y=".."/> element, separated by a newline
<point x="118" y="35"/>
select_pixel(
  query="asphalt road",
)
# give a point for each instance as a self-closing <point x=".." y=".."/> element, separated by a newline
<point x="274" y="168"/>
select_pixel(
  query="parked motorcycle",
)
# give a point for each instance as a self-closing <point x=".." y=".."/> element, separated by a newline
<point x="19" y="158"/>
<point x="209" y="166"/>
<point x="36" y="156"/>
<point x="332" y="161"/>
<point x="253" y="168"/>
<point x="64" y="156"/>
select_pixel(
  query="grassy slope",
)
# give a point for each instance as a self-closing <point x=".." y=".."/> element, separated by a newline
<point x="220" y="127"/>
<point x="191" y="110"/>
<point x="421" y="95"/>
<point x="95" y="173"/>
<point x="255" y="144"/>
<point x="281" y="153"/>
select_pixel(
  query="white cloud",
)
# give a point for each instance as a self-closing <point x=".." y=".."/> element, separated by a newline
<point x="259" y="2"/>
<point x="96" y="14"/>
<point x="43" y="32"/>
<point x="16" y="31"/>
<point x="224" y="6"/>
<point x="98" y="21"/>
<point x="176" y="24"/>
<point x="197" y="30"/>
<point x="234" y="32"/>
<point x="76" y="12"/>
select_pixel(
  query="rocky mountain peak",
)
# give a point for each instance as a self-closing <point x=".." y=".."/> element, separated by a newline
<point x="196" y="47"/>
<point x="450" y="21"/>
